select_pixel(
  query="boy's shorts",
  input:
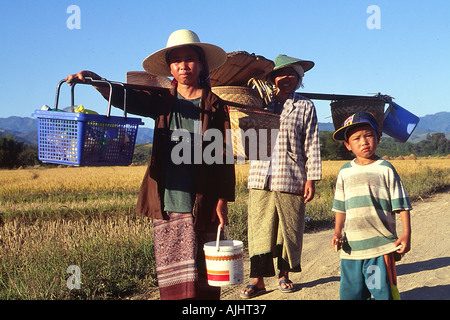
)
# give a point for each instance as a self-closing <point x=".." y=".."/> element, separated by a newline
<point x="361" y="279"/>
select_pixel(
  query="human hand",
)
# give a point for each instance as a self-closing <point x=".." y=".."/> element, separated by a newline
<point x="336" y="242"/>
<point x="82" y="75"/>
<point x="405" y="242"/>
<point x="310" y="190"/>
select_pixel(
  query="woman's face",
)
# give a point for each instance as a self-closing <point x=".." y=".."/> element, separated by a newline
<point x="286" y="80"/>
<point x="185" y="66"/>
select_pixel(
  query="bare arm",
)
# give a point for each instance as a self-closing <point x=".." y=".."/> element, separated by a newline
<point x="339" y="219"/>
<point x="82" y="75"/>
<point x="405" y="238"/>
<point x="221" y="212"/>
<point x="140" y="101"/>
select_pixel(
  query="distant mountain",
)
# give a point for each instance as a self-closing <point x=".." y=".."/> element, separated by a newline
<point x="27" y="137"/>
<point x="326" y="126"/>
<point x="145" y="135"/>
<point x="439" y="122"/>
<point x="18" y="124"/>
<point x="25" y="128"/>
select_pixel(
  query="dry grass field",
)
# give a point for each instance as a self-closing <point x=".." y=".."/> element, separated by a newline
<point x="54" y="218"/>
<point x="404" y="167"/>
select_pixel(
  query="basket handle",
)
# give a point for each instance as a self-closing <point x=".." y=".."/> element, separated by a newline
<point x="265" y="91"/>
<point x="92" y="81"/>
<point x="218" y="236"/>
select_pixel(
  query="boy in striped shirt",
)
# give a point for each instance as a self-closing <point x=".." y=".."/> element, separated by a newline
<point x="368" y="194"/>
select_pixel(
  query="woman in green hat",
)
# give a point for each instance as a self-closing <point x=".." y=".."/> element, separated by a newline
<point x="280" y="187"/>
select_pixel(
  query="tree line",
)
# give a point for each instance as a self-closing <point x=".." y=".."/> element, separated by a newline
<point x="435" y="144"/>
<point x="15" y="154"/>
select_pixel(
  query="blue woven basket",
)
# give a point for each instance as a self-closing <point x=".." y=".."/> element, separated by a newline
<point x="80" y="139"/>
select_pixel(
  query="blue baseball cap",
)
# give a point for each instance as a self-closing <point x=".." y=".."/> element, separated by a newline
<point x="357" y="119"/>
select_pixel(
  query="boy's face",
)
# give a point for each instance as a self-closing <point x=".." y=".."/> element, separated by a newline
<point x="362" y="141"/>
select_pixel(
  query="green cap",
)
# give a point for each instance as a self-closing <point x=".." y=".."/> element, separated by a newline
<point x="283" y="61"/>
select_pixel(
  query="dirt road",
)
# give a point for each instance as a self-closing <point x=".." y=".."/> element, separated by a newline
<point x="423" y="273"/>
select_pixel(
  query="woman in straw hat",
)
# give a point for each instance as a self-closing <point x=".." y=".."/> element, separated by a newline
<point x="280" y="188"/>
<point x="186" y="201"/>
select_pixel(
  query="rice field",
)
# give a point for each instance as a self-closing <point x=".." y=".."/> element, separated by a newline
<point x="51" y="219"/>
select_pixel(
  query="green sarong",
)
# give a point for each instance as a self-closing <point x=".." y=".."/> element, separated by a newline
<point x="276" y="222"/>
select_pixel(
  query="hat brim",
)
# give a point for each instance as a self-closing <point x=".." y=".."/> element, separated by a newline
<point x="339" y="134"/>
<point x="305" y="64"/>
<point x="156" y="63"/>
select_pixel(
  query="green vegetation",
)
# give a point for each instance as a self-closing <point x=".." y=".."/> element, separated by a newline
<point x="14" y="154"/>
<point x="435" y="144"/>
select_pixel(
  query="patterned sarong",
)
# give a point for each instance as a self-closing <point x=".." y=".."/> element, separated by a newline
<point x="175" y="252"/>
<point x="180" y="260"/>
<point x="276" y="223"/>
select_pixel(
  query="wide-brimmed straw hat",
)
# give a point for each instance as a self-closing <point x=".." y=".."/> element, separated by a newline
<point x="156" y="63"/>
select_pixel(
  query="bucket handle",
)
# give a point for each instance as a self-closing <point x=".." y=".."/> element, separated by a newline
<point x="218" y="236"/>
<point x="392" y="106"/>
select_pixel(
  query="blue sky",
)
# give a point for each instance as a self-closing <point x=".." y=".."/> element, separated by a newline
<point x="407" y="58"/>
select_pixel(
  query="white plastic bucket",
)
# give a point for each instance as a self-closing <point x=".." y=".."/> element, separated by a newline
<point x="224" y="261"/>
<point x="398" y="122"/>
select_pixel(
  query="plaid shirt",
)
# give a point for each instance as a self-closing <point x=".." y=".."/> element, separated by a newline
<point x="296" y="154"/>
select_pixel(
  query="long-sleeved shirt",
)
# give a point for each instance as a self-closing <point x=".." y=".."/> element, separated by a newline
<point x="296" y="154"/>
<point x="212" y="181"/>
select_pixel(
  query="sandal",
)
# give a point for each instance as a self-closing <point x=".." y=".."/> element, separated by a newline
<point x="288" y="289"/>
<point x="256" y="291"/>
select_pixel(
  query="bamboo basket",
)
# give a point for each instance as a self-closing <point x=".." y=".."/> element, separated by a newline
<point x="239" y="96"/>
<point x="243" y="119"/>
<point x="342" y="109"/>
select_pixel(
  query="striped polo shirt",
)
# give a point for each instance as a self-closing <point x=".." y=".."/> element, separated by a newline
<point x="369" y="196"/>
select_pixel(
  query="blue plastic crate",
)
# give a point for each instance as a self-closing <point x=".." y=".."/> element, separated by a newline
<point x="80" y="139"/>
